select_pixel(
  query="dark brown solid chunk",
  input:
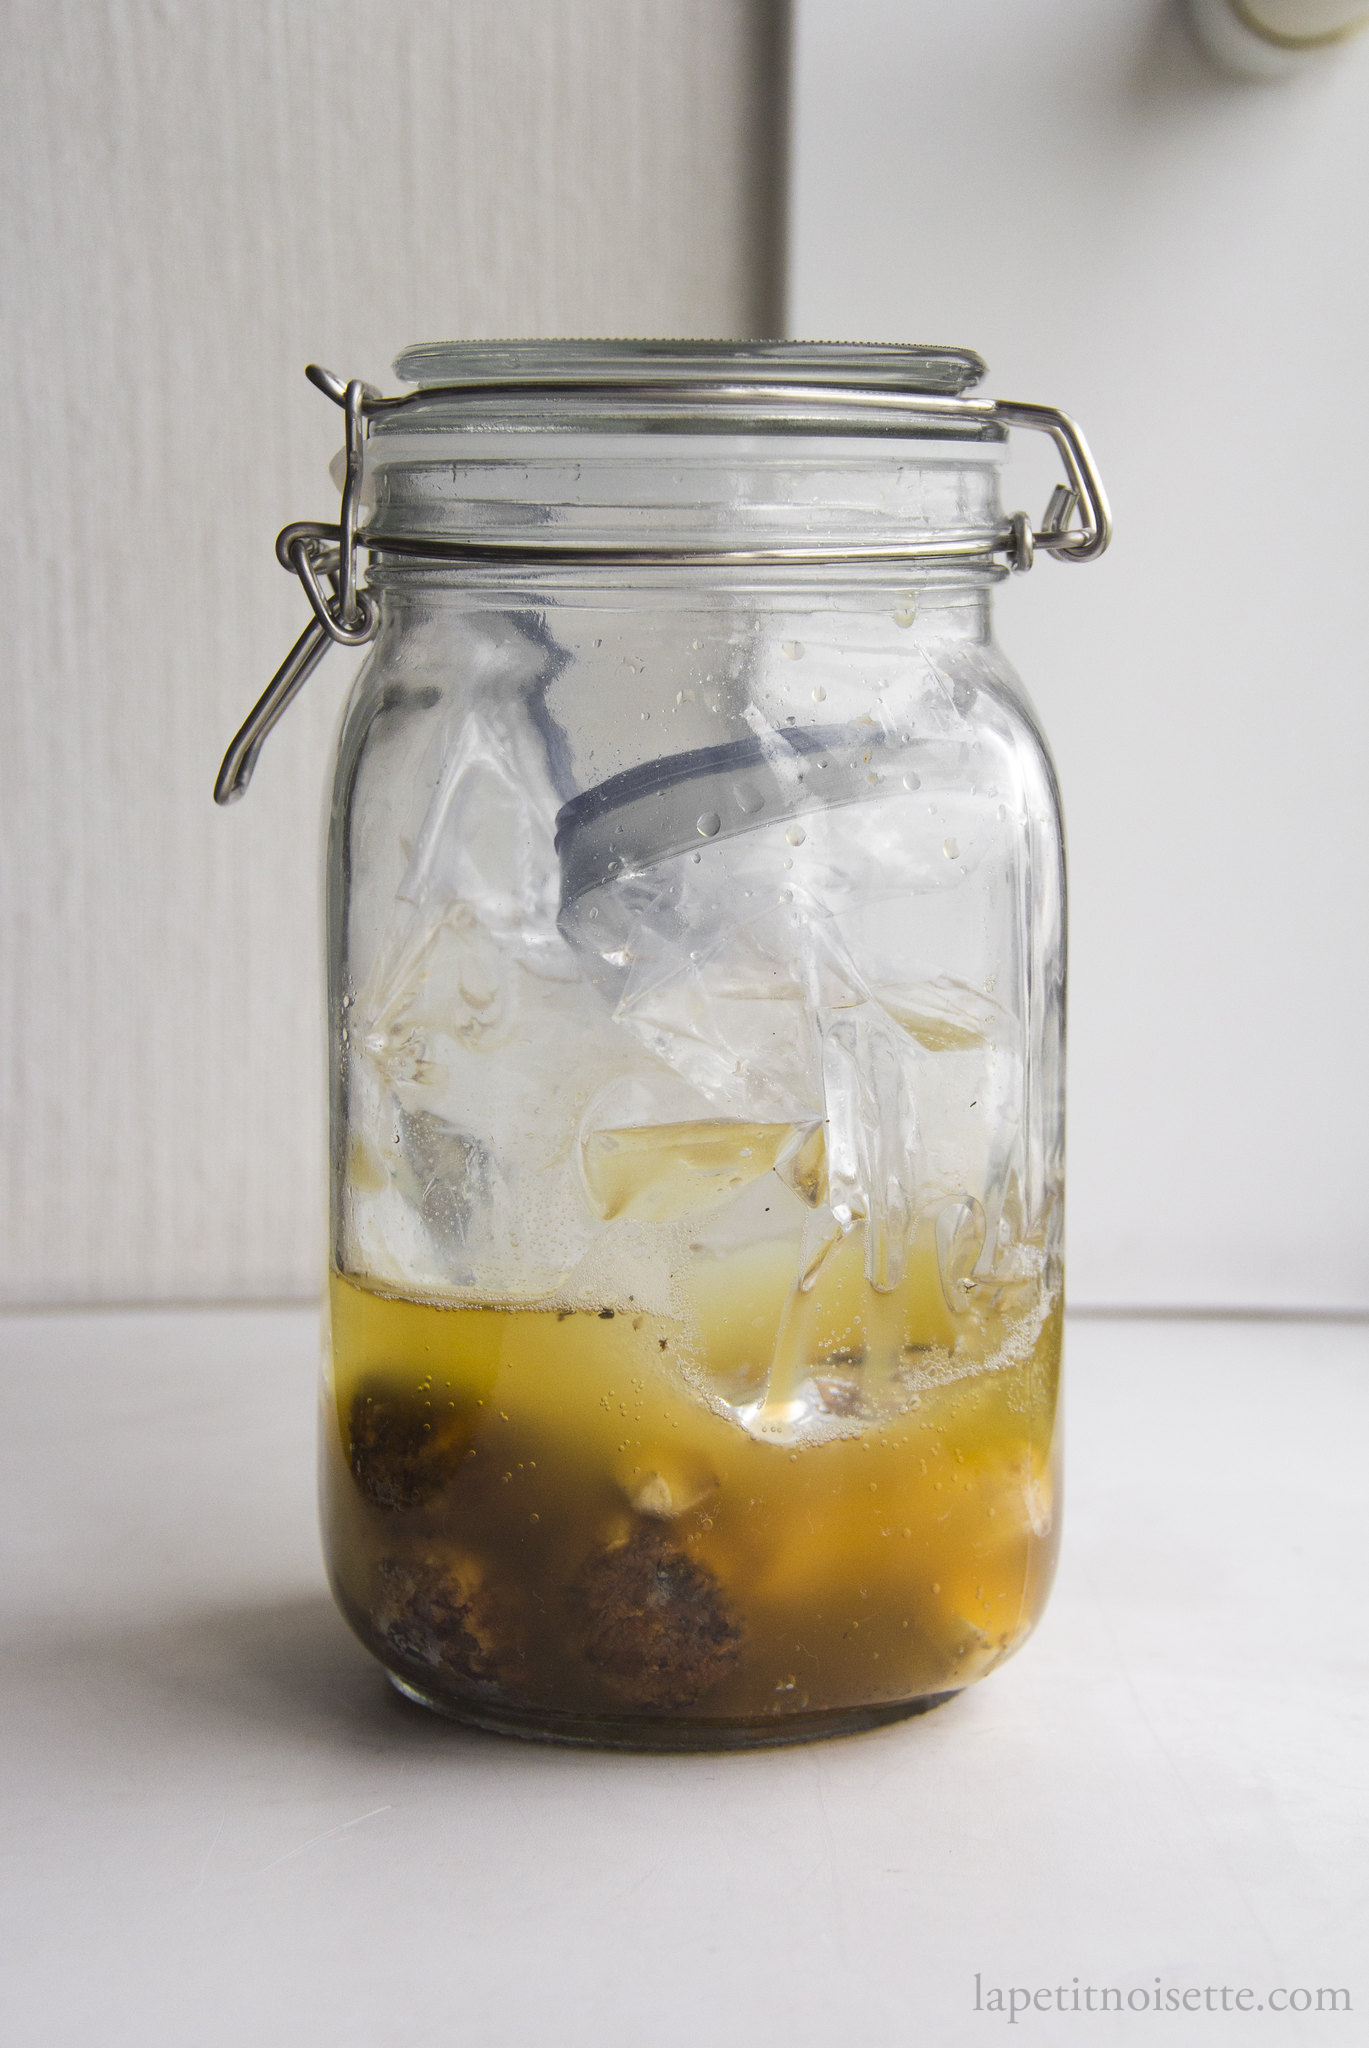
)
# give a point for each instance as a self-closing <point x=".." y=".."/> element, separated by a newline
<point x="654" y="1623"/>
<point x="436" y="1624"/>
<point x="401" y="1457"/>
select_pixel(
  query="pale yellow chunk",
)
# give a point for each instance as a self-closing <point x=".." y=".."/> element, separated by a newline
<point x="657" y="1173"/>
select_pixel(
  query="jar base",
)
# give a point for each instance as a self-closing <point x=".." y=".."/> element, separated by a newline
<point x="678" y="1734"/>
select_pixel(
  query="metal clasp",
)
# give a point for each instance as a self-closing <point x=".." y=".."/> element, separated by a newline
<point x="1084" y="492"/>
<point x="326" y="555"/>
<point x="317" y="555"/>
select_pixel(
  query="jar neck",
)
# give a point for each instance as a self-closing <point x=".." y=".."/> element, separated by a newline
<point x="689" y="491"/>
<point x="902" y="608"/>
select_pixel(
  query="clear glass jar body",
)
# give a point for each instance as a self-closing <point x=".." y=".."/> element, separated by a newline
<point x="696" y="1011"/>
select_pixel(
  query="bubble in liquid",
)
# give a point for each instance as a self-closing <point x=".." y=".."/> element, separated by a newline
<point x="796" y="835"/>
<point x="792" y="650"/>
<point x="951" y="848"/>
<point x="911" y="781"/>
<point x="709" y="825"/>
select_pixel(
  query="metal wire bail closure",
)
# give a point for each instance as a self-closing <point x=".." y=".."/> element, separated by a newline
<point x="316" y="554"/>
<point x="320" y="555"/>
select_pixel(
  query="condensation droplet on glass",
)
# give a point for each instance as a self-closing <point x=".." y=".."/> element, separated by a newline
<point x="696" y="858"/>
<point x="695" y="645"/>
<point x="709" y="825"/>
<point x="1002" y="813"/>
<point x="748" y="798"/>
<point x="792" y="650"/>
<point x="796" y="835"/>
<point x="951" y="849"/>
<point x="819" y="695"/>
<point x="911" y="781"/>
<point x="905" y="608"/>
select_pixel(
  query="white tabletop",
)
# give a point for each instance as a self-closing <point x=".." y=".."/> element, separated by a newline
<point x="223" y="1827"/>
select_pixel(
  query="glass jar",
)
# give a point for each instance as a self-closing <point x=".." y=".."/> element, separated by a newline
<point x="696" y="984"/>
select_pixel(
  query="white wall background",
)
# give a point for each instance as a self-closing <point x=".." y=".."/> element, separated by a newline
<point x="197" y="197"/>
<point x="1183" y="262"/>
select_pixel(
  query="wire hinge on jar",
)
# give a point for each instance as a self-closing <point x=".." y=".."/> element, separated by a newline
<point x="322" y="555"/>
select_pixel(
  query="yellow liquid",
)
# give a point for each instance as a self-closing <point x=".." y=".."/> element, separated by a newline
<point x="778" y="1502"/>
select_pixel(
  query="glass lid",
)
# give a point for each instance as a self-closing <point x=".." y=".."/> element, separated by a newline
<point x="911" y="367"/>
<point x="685" y="387"/>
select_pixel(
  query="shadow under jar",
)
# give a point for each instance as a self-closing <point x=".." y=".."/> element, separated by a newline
<point x="696" y="974"/>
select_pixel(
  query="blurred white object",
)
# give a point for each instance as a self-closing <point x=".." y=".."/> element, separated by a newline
<point x="1273" y="39"/>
